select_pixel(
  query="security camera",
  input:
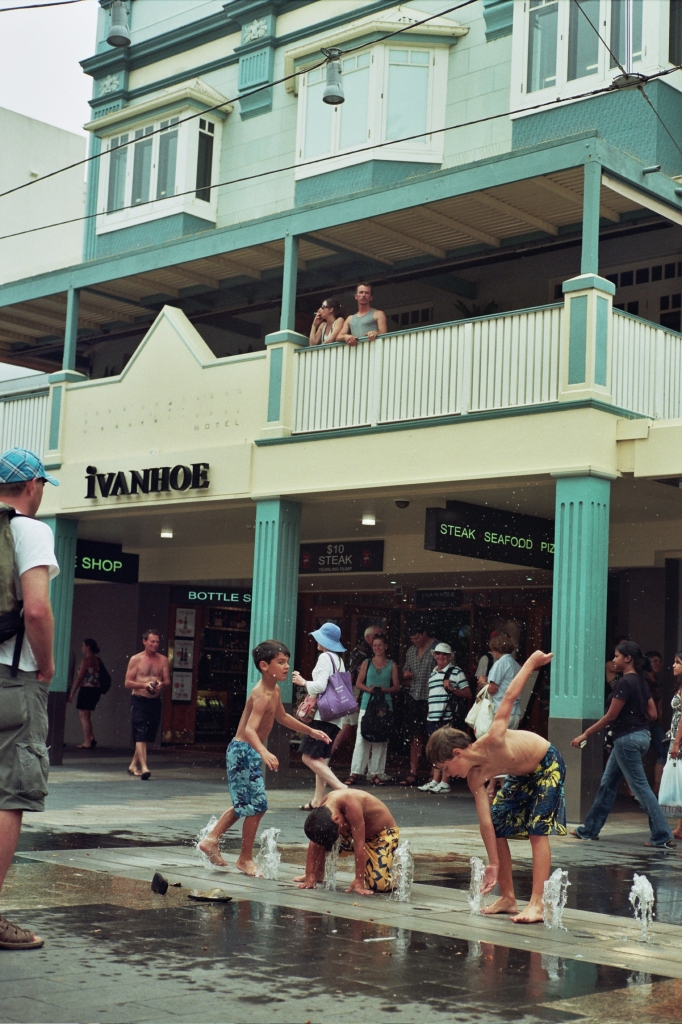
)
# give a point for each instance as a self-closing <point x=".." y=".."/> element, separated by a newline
<point x="402" y="504"/>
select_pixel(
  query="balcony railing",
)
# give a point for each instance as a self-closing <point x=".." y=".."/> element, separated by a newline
<point x="647" y="368"/>
<point x="23" y="415"/>
<point x="495" y="362"/>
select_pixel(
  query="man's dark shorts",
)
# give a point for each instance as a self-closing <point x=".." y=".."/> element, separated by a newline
<point x="145" y="713"/>
<point x="24" y="762"/>
<point x="414" y="723"/>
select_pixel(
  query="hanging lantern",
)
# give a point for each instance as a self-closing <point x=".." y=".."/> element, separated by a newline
<point x="119" y="33"/>
<point x="333" y="92"/>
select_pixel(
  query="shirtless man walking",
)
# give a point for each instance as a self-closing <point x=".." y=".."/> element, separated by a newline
<point x="530" y="803"/>
<point x="148" y="673"/>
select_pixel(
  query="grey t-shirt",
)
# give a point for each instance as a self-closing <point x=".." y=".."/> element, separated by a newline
<point x="501" y="673"/>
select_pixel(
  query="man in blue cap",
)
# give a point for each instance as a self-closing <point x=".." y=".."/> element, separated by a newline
<point x="26" y="662"/>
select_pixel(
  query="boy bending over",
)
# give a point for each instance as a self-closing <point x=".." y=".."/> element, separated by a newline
<point x="530" y="803"/>
<point x="365" y="827"/>
<point x="247" y="751"/>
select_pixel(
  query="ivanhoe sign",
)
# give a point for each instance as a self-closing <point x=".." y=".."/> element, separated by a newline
<point x="146" y="481"/>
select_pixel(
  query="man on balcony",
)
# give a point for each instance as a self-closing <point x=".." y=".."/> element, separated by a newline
<point x="367" y="323"/>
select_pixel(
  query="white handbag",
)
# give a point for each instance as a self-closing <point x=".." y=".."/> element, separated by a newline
<point x="670" y="790"/>
<point x="481" y="715"/>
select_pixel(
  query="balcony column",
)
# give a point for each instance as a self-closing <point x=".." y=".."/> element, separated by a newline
<point x="281" y="347"/>
<point x="585" y="356"/>
<point x="589" y="260"/>
<point x="61" y="598"/>
<point x="273" y="603"/>
<point x="579" y="631"/>
<point x="73" y="301"/>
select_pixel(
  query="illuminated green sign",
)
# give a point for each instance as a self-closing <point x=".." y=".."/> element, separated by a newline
<point x="491" y="534"/>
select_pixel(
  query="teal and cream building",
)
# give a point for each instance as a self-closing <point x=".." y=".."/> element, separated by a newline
<point x="519" y="214"/>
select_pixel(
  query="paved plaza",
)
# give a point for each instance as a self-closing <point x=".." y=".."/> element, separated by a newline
<point x="116" y="952"/>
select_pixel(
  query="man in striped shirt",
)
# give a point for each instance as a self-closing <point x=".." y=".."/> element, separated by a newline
<point x="446" y="679"/>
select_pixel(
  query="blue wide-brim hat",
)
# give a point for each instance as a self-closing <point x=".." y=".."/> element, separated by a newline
<point x="329" y="635"/>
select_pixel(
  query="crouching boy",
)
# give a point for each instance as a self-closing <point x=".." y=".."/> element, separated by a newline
<point x="247" y="751"/>
<point x="530" y="803"/>
<point x="365" y="827"/>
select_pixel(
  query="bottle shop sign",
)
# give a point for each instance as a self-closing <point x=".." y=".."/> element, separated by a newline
<point x="491" y="534"/>
<point x="342" y="557"/>
<point x="107" y="563"/>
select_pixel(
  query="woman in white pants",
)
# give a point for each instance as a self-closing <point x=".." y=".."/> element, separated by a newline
<point x="315" y="753"/>
<point x="379" y="673"/>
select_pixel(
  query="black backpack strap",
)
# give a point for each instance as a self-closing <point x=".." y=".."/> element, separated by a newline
<point x="18" y="644"/>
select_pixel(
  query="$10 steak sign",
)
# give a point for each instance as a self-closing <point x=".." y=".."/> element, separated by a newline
<point x="146" y="481"/>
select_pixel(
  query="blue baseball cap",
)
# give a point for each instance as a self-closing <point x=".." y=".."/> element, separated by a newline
<point x="19" y="464"/>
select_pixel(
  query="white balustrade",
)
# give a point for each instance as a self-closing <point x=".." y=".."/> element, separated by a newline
<point x="646" y="368"/>
<point x="496" y="362"/>
<point x="23" y="422"/>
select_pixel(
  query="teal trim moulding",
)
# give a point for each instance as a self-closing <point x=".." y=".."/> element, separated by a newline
<point x="577" y="340"/>
<point x="601" y="341"/>
<point x="499" y="18"/>
<point x="152" y="232"/>
<point x="278" y="337"/>
<point x="370" y="174"/>
<point x="61" y="597"/>
<point x="275" y="384"/>
<point x="52" y="465"/>
<point x="579" y="284"/>
<point x="55" y="417"/>
<point x="446" y="421"/>
<point x="70" y="376"/>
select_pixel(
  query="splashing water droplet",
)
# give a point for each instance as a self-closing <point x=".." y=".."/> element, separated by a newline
<point x="268" y="857"/>
<point x="331" y="863"/>
<point x="475" y="896"/>
<point x="642" y="899"/>
<point x="204" y="834"/>
<point x="554" y="899"/>
<point x="402" y="872"/>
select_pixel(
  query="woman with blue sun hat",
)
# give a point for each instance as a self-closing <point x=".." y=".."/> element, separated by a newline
<point x="315" y="753"/>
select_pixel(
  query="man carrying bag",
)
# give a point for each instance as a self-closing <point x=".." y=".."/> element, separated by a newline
<point x="27" y="564"/>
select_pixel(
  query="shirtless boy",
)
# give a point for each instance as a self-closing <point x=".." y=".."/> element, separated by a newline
<point x="530" y="803"/>
<point x="247" y="751"/>
<point x="366" y="827"/>
<point x="148" y="673"/>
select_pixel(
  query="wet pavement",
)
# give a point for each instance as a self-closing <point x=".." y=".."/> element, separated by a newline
<point x="115" y="952"/>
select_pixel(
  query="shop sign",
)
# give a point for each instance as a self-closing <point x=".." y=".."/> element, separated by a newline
<point x="342" y="557"/>
<point x="146" y="481"/>
<point x="181" y="691"/>
<point x="491" y="534"/>
<point x="105" y="562"/>
<point x="200" y="594"/>
<point x="439" y="598"/>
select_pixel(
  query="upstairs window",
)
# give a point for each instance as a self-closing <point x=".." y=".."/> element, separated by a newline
<point x="408" y="93"/>
<point x="542" y="44"/>
<point x="118" y="160"/>
<point x="583" y="41"/>
<point x="622" y="27"/>
<point x="205" y="160"/>
<point x="149" y="172"/>
<point x="168" y="159"/>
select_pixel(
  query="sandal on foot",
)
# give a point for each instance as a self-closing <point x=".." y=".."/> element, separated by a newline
<point x="378" y="781"/>
<point x="14" y="937"/>
<point x="131" y="771"/>
<point x="576" y="835"/>
<point x="669" y="845"/>
<point x="409" y="780"/>
<point x="145" y="775"/>
<point x="354" y="780"/>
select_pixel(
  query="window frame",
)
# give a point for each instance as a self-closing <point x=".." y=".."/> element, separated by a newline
<point x="654" y="55"/>
<point x="377" y="108"/>
<point x="186" y="159"/>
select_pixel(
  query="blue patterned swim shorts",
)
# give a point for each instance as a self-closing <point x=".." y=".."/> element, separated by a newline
<point x="533" y="804"/>
<point x="245" y="779"/>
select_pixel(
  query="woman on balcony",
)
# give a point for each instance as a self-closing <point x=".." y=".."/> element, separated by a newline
<point x="327" y="323"/>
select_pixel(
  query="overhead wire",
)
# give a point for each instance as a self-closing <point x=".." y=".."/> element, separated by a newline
<point x="50" y="3"/>
<point x="234" y="99"/>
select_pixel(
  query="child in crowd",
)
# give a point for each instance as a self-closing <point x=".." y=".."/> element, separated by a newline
<point x="247" y="751"/>
<point x="530" y="803"/>
<point x="365" y="826"/>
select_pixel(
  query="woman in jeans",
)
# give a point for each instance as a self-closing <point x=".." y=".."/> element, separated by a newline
<point x="630" y="713"/>
<point x="379" y="673"/>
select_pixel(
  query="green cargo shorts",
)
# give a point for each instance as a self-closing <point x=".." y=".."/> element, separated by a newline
<point x="24" y="762"/>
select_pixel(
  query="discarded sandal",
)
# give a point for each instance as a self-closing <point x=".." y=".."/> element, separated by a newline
<point x="14" y="937"/>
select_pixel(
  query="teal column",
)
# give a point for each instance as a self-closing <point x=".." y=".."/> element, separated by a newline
<point x="581" y="550"/>
<point x="275" y="580"/>
<point x="61" y="597"/>
<point x="589" y="261"/>
<point x="73" y="297"/>
<point x="287" y="321"/>
<point x="90" y="231"/>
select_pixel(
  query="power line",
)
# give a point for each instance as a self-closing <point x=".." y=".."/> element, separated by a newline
<point x="317" y="160"/>
<point x="595" y="29"/>
<point x="218" y="106"/>
<point x="51" y="3"/>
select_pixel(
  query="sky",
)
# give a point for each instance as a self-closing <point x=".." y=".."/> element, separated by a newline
<point x="39" y="72"/>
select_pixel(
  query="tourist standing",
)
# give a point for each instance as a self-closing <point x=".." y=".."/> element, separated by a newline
<point x="26" y="662"/>
<point x="315" y="752"/>
<point x="446" y="680"/>
<point x="147" y="676"/>
<point x="416" y="674"/>
<point x="327" y="323"/>
<point x="367" y="323"/>
<point x="89" y="691"/>
<point x="362" y="652"/>
<point x="671" y="795"/>
<point x="377" y="673"/>
<point x="629" y="714"/>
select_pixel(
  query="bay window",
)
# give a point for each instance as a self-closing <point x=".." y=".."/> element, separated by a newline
<point x="542" y="43"/>
<point x="391" y="94"/>
<point x="583" y="41"/>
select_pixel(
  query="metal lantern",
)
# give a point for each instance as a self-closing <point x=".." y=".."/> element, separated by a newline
<point x="119" y="33"/>
<point x="333" y="92"/>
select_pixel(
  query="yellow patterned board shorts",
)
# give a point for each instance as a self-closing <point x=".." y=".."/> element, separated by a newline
<point x="379" y="850"/>
<point x="533" y="804"/>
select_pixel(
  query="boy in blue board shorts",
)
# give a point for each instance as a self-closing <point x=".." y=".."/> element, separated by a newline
<point x="247" y="752"/>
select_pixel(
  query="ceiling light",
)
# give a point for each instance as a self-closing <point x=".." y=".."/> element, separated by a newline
<point x="167" y="532"/>
<point x="393" y="583"/>
<point x="369" y="519"/>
